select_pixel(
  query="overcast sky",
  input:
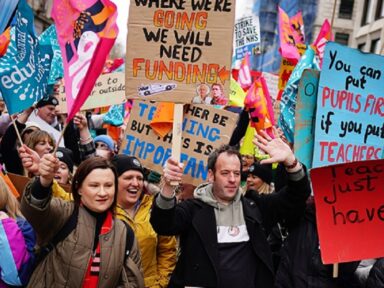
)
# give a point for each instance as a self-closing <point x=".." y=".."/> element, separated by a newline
<point x="122" y="18"/>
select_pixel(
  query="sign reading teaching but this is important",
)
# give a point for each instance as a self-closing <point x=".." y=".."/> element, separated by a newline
<point x="204" y="129"/>
<point x="350" y="107"/>
<point x="174" y="46"/>
<point x="350" y="210"/>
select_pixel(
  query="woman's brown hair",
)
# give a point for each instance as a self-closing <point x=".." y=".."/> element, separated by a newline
<point x="83" y="171"/>
<point x="37" y="136"/>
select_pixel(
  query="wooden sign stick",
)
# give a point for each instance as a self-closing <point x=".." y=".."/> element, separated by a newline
<point x="335" y="270"/>
<point x="176" y="134"/>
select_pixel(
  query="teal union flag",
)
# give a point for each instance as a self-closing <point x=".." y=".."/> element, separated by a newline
<point x="24" y="69"/>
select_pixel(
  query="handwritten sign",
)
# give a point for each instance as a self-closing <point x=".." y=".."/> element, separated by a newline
<point x="350" y="210"/>
<point x="350" y="107"/>
<point x="305" y="114"/>
<point x="179" y="49"/>
<point x="109" y="90"/>
<point x="20" y="182"/>
<point x="204" y="129"/>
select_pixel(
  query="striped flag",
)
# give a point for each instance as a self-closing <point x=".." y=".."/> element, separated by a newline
<point x="86" y="32"/>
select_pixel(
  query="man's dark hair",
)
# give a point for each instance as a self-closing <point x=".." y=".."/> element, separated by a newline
<point x="212" y="158"/>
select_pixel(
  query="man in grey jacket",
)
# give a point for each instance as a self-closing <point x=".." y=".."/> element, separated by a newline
<point x="222" y="234"/>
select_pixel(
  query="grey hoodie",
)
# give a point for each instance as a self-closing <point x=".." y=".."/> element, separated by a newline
<point x="229" y="218"/>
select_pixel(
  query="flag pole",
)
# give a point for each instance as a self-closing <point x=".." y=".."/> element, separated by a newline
<point x="335" y="265"/>
<point x="17" y="130"/>
<point x="60" y="138"/>
<point x="333" y="13"/>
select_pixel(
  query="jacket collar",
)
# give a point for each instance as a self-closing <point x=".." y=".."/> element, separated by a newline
<point x="205" y="224"/>
<point x="253" y="220"/>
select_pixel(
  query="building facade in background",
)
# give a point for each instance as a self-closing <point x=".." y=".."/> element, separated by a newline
<point x="357" y="24"/>
<point x="42" y="10"/>
<point x="368" y="33"/>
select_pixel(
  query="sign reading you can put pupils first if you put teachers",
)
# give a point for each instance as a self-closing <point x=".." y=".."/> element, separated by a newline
<point x="204" y="129"/>
<point x="174" y="46"/>
<point x="350" y="107"/>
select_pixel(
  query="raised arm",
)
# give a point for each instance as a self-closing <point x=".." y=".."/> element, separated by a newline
<point x="167" y="218"/>
<point x="86" y="146"/>
<point x="288" y="203"/>
<point x="46" y="214"/>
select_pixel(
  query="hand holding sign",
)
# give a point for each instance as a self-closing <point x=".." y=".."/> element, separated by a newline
<point x="172" y="172"/>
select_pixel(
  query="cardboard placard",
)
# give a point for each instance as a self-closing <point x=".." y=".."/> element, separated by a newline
<point x="350" y="210"/>
<point x="20" y="182"/>
<point x="204" y="129"/>
<point x="350" y="107"/>
<point x="109" y="90"/>
<point x="179" y="49"/>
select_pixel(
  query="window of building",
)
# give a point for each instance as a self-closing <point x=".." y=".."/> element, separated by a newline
<point x="368" y="12"/>
<point x="346" y="9"/>
<point x="361" y="46"/>
<point x="342" y="38"/>
<point x="375" y="46"/>
<point x="379" y="9"/>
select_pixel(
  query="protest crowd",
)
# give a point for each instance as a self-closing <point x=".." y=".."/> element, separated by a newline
<point x="99" y="189"/>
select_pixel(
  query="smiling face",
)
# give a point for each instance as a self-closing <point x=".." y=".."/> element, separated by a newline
<point x="47" y="113"/>
<point x="63" y="174"/>
<point x="44" y="146"/>
<point x="97" y="191"/>
<point x="226" y="177"/>
<point x="130" y="187"/>
<point x="253" y="182"/>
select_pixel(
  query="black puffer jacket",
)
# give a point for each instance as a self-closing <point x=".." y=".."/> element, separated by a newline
<point x="301" y="265"/>
<point x="376" y="275"/>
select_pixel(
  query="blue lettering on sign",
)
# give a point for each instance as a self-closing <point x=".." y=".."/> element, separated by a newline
<point x="159" y="155"/>
<point x="143" y="107"/>
<point x="201" y="130"/>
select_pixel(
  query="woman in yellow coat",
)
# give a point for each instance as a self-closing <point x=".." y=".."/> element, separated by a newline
<point x="158" y="253"/>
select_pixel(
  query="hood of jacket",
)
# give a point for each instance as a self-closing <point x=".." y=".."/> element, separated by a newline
<point x="204" y="192"/>
<point x="229" y="217"/>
